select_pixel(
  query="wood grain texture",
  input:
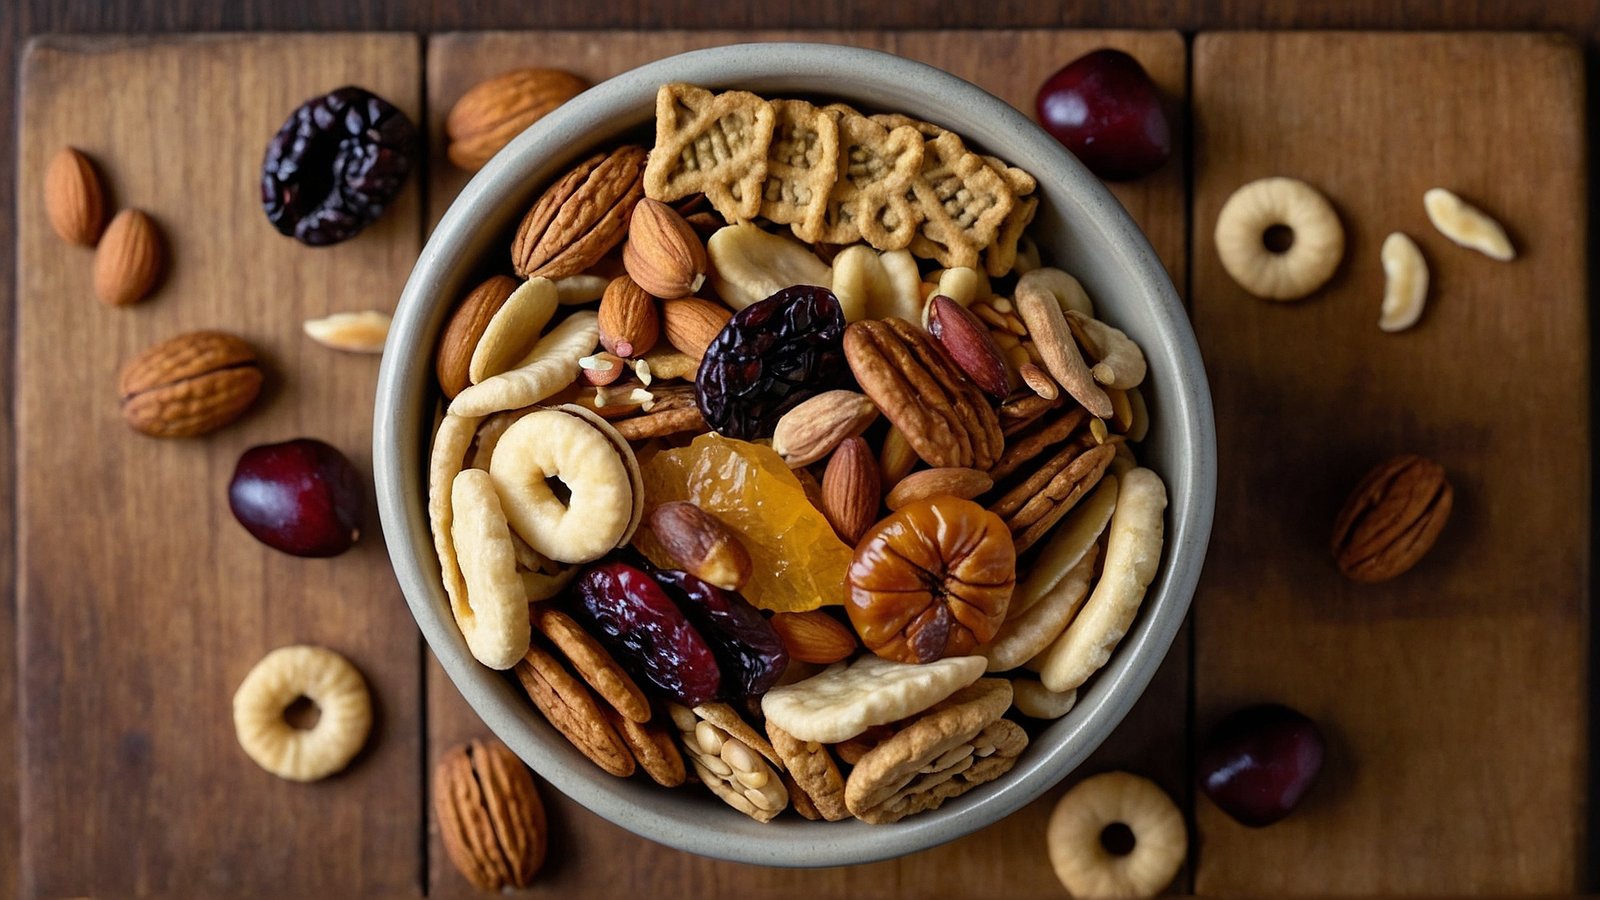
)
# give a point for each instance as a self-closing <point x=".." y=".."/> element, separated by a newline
<point x="1454" y="696"/>
<point x="142" y="604"/>
<point x="590" y="857"/>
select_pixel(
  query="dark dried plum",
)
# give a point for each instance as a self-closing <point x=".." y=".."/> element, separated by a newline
<point x="335" y="164"/>
<point x="749" y="651"/>
<point x="768" y="358"/>
<point x="648" y="634"/>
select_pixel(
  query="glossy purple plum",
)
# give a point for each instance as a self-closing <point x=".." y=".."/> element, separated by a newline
<point x="1107" y="111"/>
<point x="301" y="496"/>
<point x="1259" y="762"/>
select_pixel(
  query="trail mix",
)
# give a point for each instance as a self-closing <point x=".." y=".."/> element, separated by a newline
<point x="782" y="465"/>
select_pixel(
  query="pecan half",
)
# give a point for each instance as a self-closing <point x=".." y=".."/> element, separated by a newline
<point x="1034" y="506"/>
<point x="1392" y="519"/>
<point x="580" y="218"/>
<point x="943" y="415"/>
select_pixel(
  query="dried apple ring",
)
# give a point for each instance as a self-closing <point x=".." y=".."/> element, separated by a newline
<point x="1082" y="816"/>
<point x="1316" y="238"/>
<point x="274" y="684"/>
<point x="550" y="444"/>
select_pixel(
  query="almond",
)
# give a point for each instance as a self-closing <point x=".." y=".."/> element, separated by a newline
<point x="851" y="490"/>
<point x="814" y="636"/>
<point x="490" y="816"/>
<point x="814" y="428"/>
<point x="493" y="112"/>
<point x="691" y="324"/>
<point x="189" y="385"/>
<point x="74" y="198"/>
<point x="701" y="544"/>
<point x="968" y="342"/>
<point x="663" y="254"/>
<point x="453" y="360"/>
<point x="629" y="323"/>
<point x="954" y="482"/>
<point x="1392" y="519"/>
<point x="580" y="218"/>
<point x="127" y="263"/>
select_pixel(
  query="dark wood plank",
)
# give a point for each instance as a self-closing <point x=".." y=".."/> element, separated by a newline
<point x="1453" y="696"/>
<point x="1010" y="64"/>
<point x="142" y="604"/>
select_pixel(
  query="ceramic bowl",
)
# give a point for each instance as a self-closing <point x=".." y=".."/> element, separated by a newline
<point x="1080" y="228"/>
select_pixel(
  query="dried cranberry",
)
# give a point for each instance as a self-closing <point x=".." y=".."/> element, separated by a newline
<point x="648" y="634"/>
<point x="748" y="650"/>
<point x="335" y="164"/>
<point x="768" y="358"/>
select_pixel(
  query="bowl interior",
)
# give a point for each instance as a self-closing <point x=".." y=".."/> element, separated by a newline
<point x="1080" y="228"/>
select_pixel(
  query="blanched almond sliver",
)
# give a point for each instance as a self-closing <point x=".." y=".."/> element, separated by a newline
<point x="1036" y="701"/>
<point x="1467" y="225"/>
<point x="356" y="332"/>
<point x="1405" y="283"/>
<point x="514" y="329"/>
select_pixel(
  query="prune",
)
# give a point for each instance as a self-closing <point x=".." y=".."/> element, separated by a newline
<point x="648" y="634"/>
<point x="748" y="650"/>
<point x="301" y="496"/>
<point x="771" y="355"/>
<point x="335" y="164"/>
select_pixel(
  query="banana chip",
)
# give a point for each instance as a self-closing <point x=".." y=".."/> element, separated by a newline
<point x="1133" y="550"/>
<point x="514" y="329"/>
<point x="549" y="367"/>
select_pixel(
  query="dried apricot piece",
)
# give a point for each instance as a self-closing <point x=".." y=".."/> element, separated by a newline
<point x="797" y="561"/>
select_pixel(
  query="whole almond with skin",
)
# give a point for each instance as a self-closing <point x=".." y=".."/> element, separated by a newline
<point x="701" y="544"/>
<point x="490" y="816"/>
<point x="629" y="322"/>
<point x="815" y="427"/>
<point x="966" y="484"/>
<point x="851" y="490"/>
<point x="453" y="359"/>
<point x="493" y="112"/>
<point x="814" y="636"/>
<point x="74" y="198"/>
<point x="691" y="324"/>
<point x="580" y="218"/>
<point x="189" y="385"/>
<point x="964" y="336"/>
<point x="127" y="263"/>
<point x="663" y="254"/>
<point x="1391" y="519"/>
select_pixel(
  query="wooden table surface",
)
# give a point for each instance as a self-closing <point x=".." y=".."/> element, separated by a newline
<point x="28" y="17"/>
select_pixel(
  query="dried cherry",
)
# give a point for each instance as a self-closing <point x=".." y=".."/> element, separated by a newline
<point x="748" y="649"/>
<point x="630" y="614"/>
<point x="770" y="356"/>
<point x="335" y="164"/>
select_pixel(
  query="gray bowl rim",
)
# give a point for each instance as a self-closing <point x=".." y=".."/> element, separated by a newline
<point x="401" y="430"/>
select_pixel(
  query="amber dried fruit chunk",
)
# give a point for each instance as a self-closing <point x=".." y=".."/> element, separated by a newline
<point x="797" y="561"/>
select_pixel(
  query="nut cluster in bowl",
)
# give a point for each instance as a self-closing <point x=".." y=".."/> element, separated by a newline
<point x="832" y="497"/>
